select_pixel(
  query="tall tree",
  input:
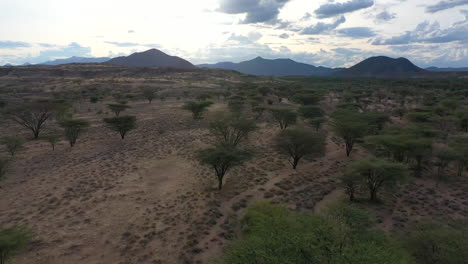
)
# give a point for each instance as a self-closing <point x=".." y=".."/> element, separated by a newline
<point x="350" y="126"/>
<point x="197" y="108"/>
<point x="284" y="117"/>
<point x="73" y="128"/>
<point x="32" y="115"/>
<point x="222" y="158"/>
<point x="298" y="143"/>
<point x="232" y="131"/>
<point x="121" y="124"/>
<point x="377" y="173"/>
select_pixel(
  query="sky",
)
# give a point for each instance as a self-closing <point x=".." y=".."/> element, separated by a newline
<point x="331" y="33"/>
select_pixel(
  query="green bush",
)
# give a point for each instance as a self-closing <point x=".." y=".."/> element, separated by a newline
<point x="275" y="235"/>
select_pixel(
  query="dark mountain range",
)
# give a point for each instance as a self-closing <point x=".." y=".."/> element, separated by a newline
<point x="436" y="69"/>
<point x="278" y="67"/>
<point x="151" y="58"/>
<point x="383" y="67"/>
<point x="75" y="60"/>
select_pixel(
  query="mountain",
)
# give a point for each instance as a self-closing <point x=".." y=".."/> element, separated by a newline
<point x="278" y="67"/>
<point x="436" y="69"/>
<point x="151" y="58"/>
<point x="7" y="65"/>
<point x="383" y="67"/>
<point x="75" y="60"/>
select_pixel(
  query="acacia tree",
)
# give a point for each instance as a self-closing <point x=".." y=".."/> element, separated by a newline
<point x="460" y="146"/>
<point x="121" y="124"/>
<point x="32" y="115"/>
<point x="298" y="143"/>
<point x="12" y="144"/>
<point x="231" y="131"/>
<point x="376" y="173"/>
<point x="350" y="126"/>
<point x="118" y="108"/>
<point x="284" y="117"/>
<point x="149" y="94"/>
<point x="222" y="158"/>
<point x="73" y="128"/>
<point x="197" y="108"/>
<point x="351" y="183"/>
<point x="443" y="156"/>
<point x="53" y="140"/>
<point x="12" y="240"/>
<point x="309" y="112"/>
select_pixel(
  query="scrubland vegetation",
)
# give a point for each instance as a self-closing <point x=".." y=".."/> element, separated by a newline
<point x="153" y="166"/>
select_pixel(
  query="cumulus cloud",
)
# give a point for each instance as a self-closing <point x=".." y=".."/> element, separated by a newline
<point x="257" y="11"/>
<point x="322" y="27"/>
<point x="385" y="16"/>
<point x="284" y="36"/>
<point x="357" y="32"/>
<point x="335" y="9"/>
<point x="14" y="44"/>
<point x="443" y="5"/>
<point x="427" y="32"/>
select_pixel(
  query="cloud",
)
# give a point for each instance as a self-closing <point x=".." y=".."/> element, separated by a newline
<point x="131" y="44"/>
<point x="443" y="5"/>
<point x="322" y="27"/>
<point x="385" y="16"/>
<point x="257" y="11"/>
<point x="131" y="31"/>
<point x="284" y="36"/>
<point x="335" y="9"/>
<point x="13" y="44"/>
<point x="357" y="32"/>
<point x="427" y="32"/>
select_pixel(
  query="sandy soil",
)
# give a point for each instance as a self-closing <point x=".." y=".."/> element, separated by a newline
<point x="146" y="200"/>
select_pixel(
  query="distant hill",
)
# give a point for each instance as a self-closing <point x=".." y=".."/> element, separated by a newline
<point x="436" y="69"/>
<point x="277" y="67"/>
<point x="383" y="67"/>
<point x="75" y="60"/>
<point x="151" y="58"/>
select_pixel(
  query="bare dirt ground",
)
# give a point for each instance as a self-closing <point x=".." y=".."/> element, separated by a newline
<point x="146" y="200"/>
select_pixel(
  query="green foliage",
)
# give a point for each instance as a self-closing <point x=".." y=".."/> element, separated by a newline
<point x="121" y="124"/>
<point x="12" y="144"/>
<point x="149" y="94"/>
<point x="376" y="120"/>
<point x="462" y="117"/>
<point x="307" y="99"/>
<point x="443" y="157"/>
<point x="436" y="243"/>
<point x="12" y="240"/>
<point x="376" y="173"/>
<point x="197" y="108"/>
<point x="460" y="145"/>
<point x="232" y="131"/>
<point x="284" y="117"/>
<point x="275" y="235"/>
<point x="264" y="91"/>
<point x="73" y="128"/>
<point x="118" y="108"/>
<point x="310" y="112"/>
<point x="222" y="158"/>
<point x="350" y="126"/>
<point x="53" y="140"/>
<point x="236" y="106"/>
<point x="298" y="143"/>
